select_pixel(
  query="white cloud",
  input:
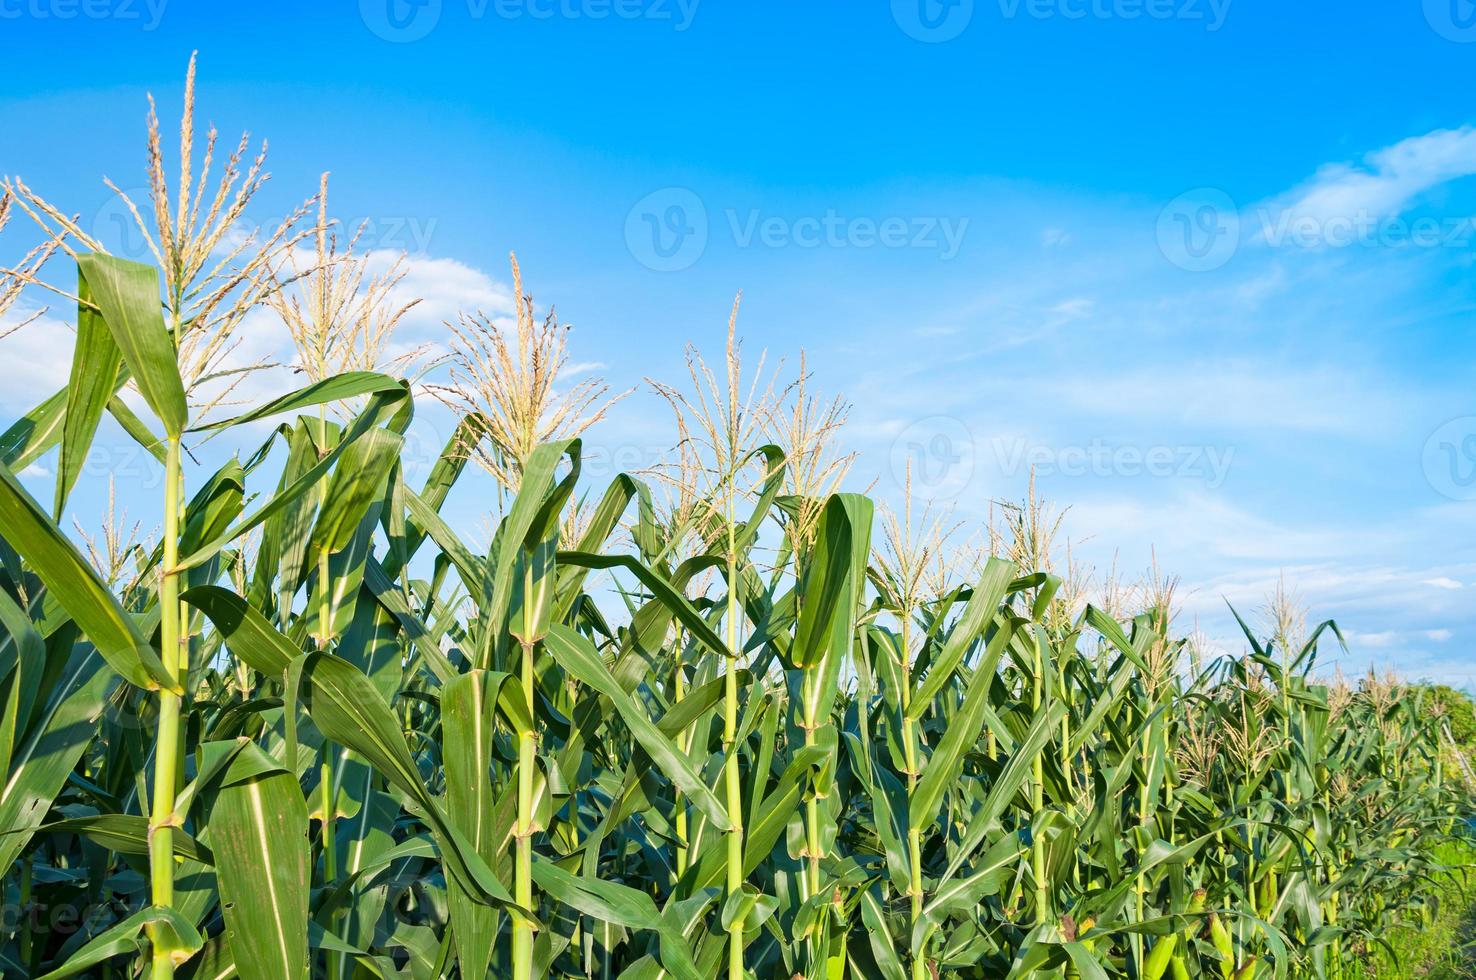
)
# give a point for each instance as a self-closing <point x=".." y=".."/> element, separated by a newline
<point x="445" y="288"/>
<point x="1439" y="636"/>
<point x="1442" y="582"/>
<point x="1390" y="178"/>
<point x="37" y="359"/>
<point x="574" y="370"/>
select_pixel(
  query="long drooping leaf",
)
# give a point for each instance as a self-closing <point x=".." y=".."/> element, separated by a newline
<point x="126" y="937"/>
<point x="34" y="433"/>
<point x="246" y="632"/>
<point x="76" y="586"/>
<point x="337" y="388"/>
<point x="42" y="763"/>
<point x="348" y="710"/>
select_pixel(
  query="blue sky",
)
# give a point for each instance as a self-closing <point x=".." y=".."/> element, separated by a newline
<point x="1206" y="265"/>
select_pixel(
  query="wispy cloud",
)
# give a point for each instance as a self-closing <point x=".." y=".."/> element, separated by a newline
<point x="1388" y="180"/>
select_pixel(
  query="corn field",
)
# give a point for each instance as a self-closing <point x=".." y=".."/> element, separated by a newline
<point x="718" y="719"/>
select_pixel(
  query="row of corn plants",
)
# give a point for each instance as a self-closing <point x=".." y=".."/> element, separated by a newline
<point x="716" y="720"/>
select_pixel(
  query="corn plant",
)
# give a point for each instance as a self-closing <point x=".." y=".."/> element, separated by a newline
<point x="718" y="718"/>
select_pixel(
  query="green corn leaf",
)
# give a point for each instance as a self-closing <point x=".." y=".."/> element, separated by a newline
<point x="126" y="833"/>
<point x="247" y="633"/>
<point x="164" y="924"/>
<point x="827" y="585"/>
<point x="469" y="707"/>
<point x="136" y="429"/>
<point x="127" y="294"/>
<point x="357" y="482"/>
<point x="607" y="901"/>
<point x="76" y="586"/>
<point x="350" y="384"/>
<point x="348" y="710"/>
<point x="575" y="655"/>
<point x="963" y="732"/>
<point x="34" y="433"/>
<point x="381" y="407"/>
<point x="94" y="377"/>
<point x="977" y="615"/>
<point x="258" y="829"/>
<point x="41" y="764"/>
